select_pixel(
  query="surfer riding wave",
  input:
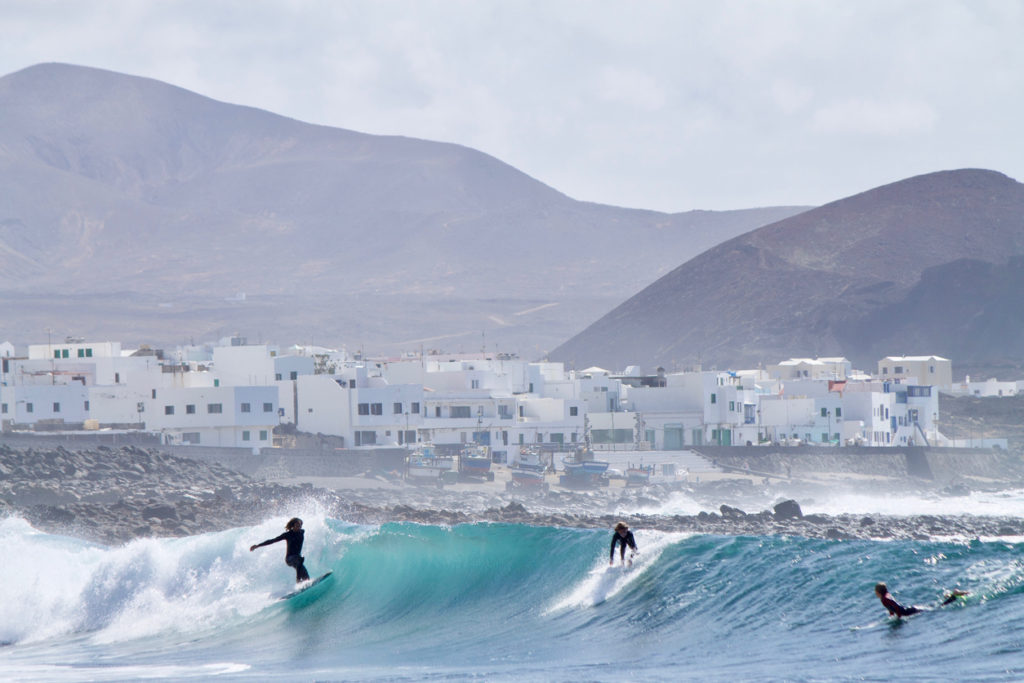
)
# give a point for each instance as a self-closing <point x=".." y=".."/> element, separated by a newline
<point x="293" y="537"/>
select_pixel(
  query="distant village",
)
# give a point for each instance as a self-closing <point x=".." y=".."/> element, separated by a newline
<point x="235" y="394"/>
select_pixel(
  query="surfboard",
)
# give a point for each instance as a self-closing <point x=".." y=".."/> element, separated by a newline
<point x="304" y="588"/>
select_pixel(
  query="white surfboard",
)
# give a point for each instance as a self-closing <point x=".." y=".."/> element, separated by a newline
<point x="305" y="587"/>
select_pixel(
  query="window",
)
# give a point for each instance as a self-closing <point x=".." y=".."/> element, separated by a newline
<point x="714" y="398"/>
<point x="153" y="393"/>
<point x="277" y="376"/>
<point x="824" y="412"/>
<point x="839" y="412"/>
<point x="29" y="407"/>
<point x="88" y="353"/>
<point x="474" y="384"/>
<point x="885" y="371"/>
<point x="190" y="409"/>
<point x="294" y="374"/>
<point x="557" y="437"/>
<point x="505" y="411"/>
<point x="574" y="411"/>
<point x="396" y="408"/>
<point x="56" y="407"/>
<point x="3" y="407"/>
<point x="65" y="353"/>
<point x="437" y="411"/>
<point x="824" y="437"/>
<point x="245" y="435"/>
<point x="81" y="353"/>
<point x="268" y="407"/>
<point x="168" y="410"/>
<point x="263" y="435"/>
<point x="415" y="408"/>
<point x="366" y="438"/>
<point x="56" y="353"/>
<point x="732" y="405"/>
<point x="190" y="437"/>
<point x="214" y="408"/>
<point x="87" y="405"/>
<point x="246" y="407"/>
<point x="376" y="409"/>
<point x="364" y="409"/>
<point x="897" y="370"/>
<point x="460" y="411"/>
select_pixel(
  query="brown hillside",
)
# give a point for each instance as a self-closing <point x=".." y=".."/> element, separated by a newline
<point x="865" y="276"/>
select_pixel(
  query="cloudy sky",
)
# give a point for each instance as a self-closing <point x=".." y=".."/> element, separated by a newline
<point x="671" y="105"/>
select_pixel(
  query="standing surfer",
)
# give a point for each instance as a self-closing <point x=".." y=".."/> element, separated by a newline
<point x="293" y="537"/>
<point x="897" y="610"/>
<point x="624" y="537"/>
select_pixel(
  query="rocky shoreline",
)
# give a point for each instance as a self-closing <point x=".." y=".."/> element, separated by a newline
<point x="112" y="496"/>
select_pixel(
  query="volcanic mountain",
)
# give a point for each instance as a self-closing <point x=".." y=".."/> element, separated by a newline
<point x="929" y="265"/>
<point x="140" y="211"/>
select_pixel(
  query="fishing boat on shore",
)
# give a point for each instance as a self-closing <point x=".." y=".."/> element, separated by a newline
<point x="639" y="475"/>
<point x="527" y="476"/>
<point x="426" y="466"/>
<point x="583" y="473"/>
<point x="475" y="462"/>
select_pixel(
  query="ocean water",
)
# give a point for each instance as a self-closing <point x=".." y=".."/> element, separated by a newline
<point x="500" y="602"/>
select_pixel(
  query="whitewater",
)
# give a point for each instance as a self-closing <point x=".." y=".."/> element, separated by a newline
<point x="503" y="602"/>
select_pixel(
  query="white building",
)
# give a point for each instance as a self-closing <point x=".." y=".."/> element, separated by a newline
<point x="988" y="388"/>
<point x="921" y="370"/>
<point x="242" y="416"/>
<point x="811" y="368"/>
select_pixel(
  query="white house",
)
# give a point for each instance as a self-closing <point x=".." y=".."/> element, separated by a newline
<point x="922" y="370"/>
<point x="835" y="368"/>
<point x="242" y="416"/>
<point x="989" y="387"/>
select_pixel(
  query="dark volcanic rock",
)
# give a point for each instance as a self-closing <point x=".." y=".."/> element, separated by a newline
<point x="788" y="509"/>
<point x="178" y="497"/>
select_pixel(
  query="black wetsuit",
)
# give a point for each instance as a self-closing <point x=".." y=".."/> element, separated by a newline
<point x="625" y="540"/>
<point x="293" y="553"/>
<point x="896" y="609"/>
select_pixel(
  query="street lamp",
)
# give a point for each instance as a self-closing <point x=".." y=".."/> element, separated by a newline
<point x="828" y="413"/>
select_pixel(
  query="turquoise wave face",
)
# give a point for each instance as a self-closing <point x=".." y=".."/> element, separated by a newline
<point x="504" y="602"/>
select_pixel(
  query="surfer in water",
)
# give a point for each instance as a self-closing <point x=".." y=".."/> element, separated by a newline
<point x="293" y="537"/>
<point x="623" y="536"/>
<point x="897" y="610"/>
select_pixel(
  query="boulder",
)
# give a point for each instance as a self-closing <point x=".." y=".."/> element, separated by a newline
<point x="160" y="512"/>
<point x="731" y="512"/>
<point x="788" y="509"/>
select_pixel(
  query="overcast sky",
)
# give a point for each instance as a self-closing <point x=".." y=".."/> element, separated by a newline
<point x="664" y="105"/>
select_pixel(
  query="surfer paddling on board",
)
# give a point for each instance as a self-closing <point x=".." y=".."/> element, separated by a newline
<point x="897" y="610"/>
<point x="293" y="537"/>
<point x="624" y="537"/>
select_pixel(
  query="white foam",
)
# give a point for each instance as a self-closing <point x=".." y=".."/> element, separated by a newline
<point x="53" y="585"/>
<point x="603" y="581"/>
<point x="982" y="503"/>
